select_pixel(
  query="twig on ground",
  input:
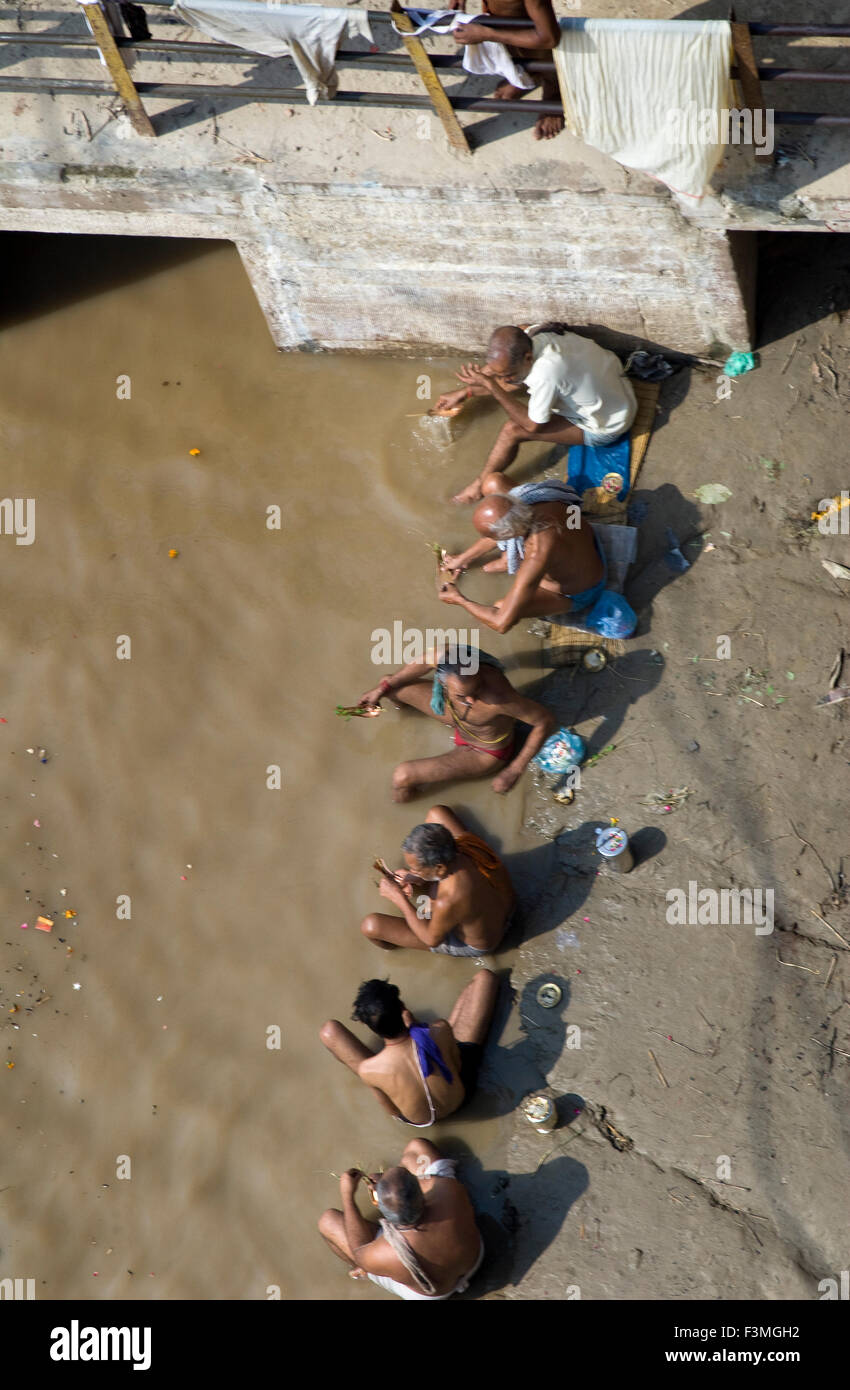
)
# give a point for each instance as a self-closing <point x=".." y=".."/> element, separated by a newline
<point x="841" y="938"/>
<point x="803" y="841"/>
<point x="790" y="356"/>
<point x="661" y="1075"/>
<point x="829" y="1047"/>
<point x="796" y="967"/>
<point x="668" y="1038"/>
<point x="830" y="974"/>
<point x="758" y="845"/>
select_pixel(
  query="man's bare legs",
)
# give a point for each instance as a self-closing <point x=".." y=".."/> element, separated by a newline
<point x="461" y="764"/>
<point x="389" y="932"/>
<point x="344" y="1045"/>
<point x="472" y="1015"/>
<point x="546" y="126"/>
<point x="510" y="436"/>
<point x="349" y="1050"/>
<point x="332" y="1230"/>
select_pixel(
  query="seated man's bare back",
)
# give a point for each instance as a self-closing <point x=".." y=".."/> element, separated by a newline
<point x="395" y="1074"/>
<point x="395" y="1071"/>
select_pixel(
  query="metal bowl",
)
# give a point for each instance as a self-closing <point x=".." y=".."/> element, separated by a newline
<point x="594" y="660"/>
<point x="549" y="995"/>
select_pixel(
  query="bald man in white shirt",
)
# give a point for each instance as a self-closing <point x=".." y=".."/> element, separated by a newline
<point x="578" y="394"/>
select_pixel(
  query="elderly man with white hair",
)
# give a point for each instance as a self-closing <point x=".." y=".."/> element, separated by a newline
<point x="553" y="553"/>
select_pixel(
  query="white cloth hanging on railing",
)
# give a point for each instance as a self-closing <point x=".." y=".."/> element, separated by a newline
<point x="481" y="59"/>
<point x="628" y="86"/>
<point x="308" y="34"/>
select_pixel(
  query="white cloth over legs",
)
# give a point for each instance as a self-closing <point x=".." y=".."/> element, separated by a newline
<point x="308" y="34"/>
<point x="485" y="59"/>
<point x="649" y="93"/>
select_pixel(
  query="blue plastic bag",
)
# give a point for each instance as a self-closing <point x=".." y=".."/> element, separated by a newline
<point x="600" y="465"/>
<point x="611" y="616"/>
<point x="561" y="751"/>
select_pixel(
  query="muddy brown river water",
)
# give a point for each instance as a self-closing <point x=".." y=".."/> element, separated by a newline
<point x="244" y="901"/>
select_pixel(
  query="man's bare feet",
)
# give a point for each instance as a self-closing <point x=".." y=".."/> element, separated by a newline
<point x="507" y="92"/>
<point x="404" y="793"/>
<point x="472" y="493"/>
<point x="547" y="126"/>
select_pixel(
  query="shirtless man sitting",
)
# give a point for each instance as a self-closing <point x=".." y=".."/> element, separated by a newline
<point x="482" y="708"/>
<point x="422" y="1073"/>
<point x="524" y="45"/>
<point x="427" y="1245"/>
<point x="462" y="892"/>
<point x="562" y="570"/>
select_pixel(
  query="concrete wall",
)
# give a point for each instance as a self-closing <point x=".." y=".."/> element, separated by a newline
<point x="366" y="268"/>
<point x="362" y="268"/>
<point x="360" y="232"/>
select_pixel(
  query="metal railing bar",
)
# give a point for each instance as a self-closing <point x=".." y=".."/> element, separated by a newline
<point x="378" y="61"/>
<point x="297" y="97"/>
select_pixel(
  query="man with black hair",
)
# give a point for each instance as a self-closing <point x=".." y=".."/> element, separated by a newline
<point x="421" y="1073"/>
<point x="426" y="1245"/>
<point x="456" y="896"/>
<point x="578" y="393"/>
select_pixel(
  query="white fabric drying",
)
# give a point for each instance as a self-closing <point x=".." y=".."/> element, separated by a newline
<point x="485" y="59"/>
<point x="623" y="81"/>
<point x="308" y="34"/>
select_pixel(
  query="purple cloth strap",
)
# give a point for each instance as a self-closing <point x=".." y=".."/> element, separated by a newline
<point x="428" y="1052"/>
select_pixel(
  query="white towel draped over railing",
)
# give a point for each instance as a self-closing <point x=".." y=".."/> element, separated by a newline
<point x="308" y="34"/>
<point x="649" y="93"/>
